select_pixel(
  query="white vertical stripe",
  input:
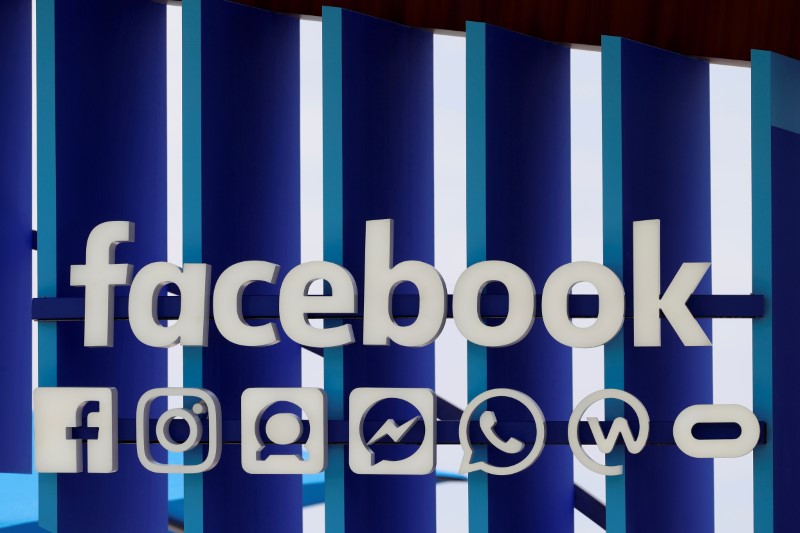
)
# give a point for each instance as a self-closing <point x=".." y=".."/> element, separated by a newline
<point x="450" y="242"/>
<point x="587" y="239"/>
<point x="175" y="171"/>
<point x="731" y="274"/>
<point x="311" y="171"/>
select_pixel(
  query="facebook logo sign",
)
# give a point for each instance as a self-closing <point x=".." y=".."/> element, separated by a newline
<point x="62" y="413"/>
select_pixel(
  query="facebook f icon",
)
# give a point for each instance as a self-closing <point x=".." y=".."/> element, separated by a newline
<point x="59" y="429"/>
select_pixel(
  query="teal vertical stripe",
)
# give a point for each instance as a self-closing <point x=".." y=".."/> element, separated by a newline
<point x="46" y="146"/>
<point x="333" y="249"/>
<point x="192" y="132"/>
<point x="192" y="219"/>
<point x="785" y="76"/>
<point x="612" y="255"/>
<point x="46" y="223"/>
<point x="332" y="134"/>
<point x="476" y="244"/>
<point x="476" y="143"/>
<point x="46" y="179"/>
<point x="761" y="124"/>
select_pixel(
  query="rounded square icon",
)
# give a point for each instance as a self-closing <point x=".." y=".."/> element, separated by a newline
<point x="362" y="457"/>
<point x="283" y="429"/>
<point x="208" y="404"/>
<point x="60" y="414"/>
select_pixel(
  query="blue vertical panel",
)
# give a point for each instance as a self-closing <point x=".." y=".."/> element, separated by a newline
<point x="526" y="187"/>
<point x="243" y="190"/>
<point x="382" y="87"/>
<point x="107" y="89"/>
<point x="657" y="165"/>
<point x="776" y="167"/>
<point x="15" y="232"/>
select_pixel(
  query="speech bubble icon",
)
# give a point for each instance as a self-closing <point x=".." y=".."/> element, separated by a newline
<point x="386" y="443"/>
<point x="468" y="466"/>
<point x="375" y="450"/>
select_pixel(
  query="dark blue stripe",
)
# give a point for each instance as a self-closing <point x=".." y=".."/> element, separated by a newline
<point x="776" y="137"/>
<point x="664" y="120"/>
<point x="387" y="172"/>
<point x="250" y="88"/>
<point x="15" y="230"/>
<point x="785" y="364"/>
<point x="110" y="90"/>
<point x="528" y="223"/>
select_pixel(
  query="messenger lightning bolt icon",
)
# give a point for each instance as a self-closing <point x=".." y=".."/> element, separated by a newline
<point x="393" y="431"/>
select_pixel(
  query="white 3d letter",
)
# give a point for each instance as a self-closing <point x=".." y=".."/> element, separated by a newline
<point x="380" y="280"/>
<point x="191" y="328"/>
<point x="100" y="275"/>
<point x="296" y="304"/>
<point x="521" y="303"/>
<point x="647" y="288"/>
<point x="228" y="304"/>
<point x="555" y="312"/>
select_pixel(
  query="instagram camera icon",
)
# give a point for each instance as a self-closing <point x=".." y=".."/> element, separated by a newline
<point x="59" y="414"/>
<point x="284" y="429"/>
<point x="207" y="406"/>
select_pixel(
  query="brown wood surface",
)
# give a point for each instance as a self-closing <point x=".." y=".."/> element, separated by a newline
<point x="725" y="29"/>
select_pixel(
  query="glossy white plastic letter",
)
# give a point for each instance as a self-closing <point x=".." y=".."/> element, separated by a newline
<point x="296" y="304"/>
<point x="647" y="299"/>
<point x="228" y="303"/>
<point x="555" y="301"/>
<point x="191" y="328"/>
<point x="380" y="280"/>
<point x="521" y="304"/>
<point x="99" y="276"/>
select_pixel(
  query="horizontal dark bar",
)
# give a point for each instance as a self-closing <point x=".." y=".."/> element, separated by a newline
<point x="407" y="305"/>
<point x="447" y="432"/>
<point x="713" y="28"/>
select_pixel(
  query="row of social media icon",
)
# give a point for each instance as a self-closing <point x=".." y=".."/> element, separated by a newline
<point x="271" y="430"/>
<point x="274" y="439"/>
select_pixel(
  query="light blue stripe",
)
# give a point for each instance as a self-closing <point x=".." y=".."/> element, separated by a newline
<point x="46" y="224"/>
<point x="46" y="146"/>
<point x="192" y="222"/>
<point x="48" y="502"/>
<point x="476" y="245"/>
<point x="334" y="489"/>
<point x="333" y="249"/>
<point x="478" y="481"/>
<point x="333" y="245"/>
<point x="476" y="142"/>
<point x="192" y="133"/>
<point x="785" y="73"/>
<point x="612" y="255"/>
<point x="193" y="494"/>
<point x="192" y="367"/>
<point x="762" y="116"/>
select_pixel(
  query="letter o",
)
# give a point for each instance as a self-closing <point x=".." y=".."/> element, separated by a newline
<point x="521" y="304"/>
<point x="610" y="314"/>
